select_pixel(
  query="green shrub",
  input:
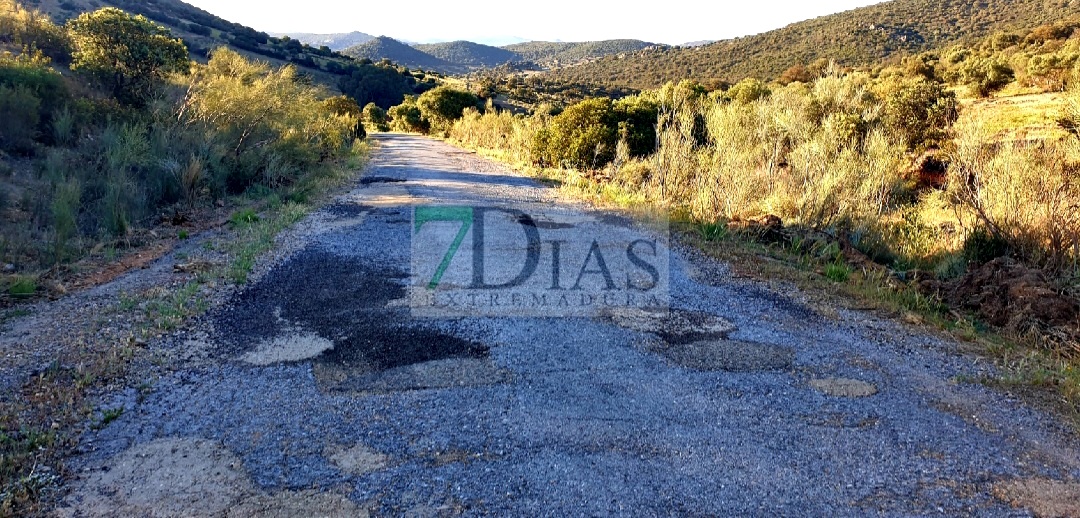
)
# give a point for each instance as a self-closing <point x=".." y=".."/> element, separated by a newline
<point x="1025" y="194"/>
<point x="19" y="124"/>
<point x="407" y="117"/>
<point x="985" y="75"/>
<point x="266" y="117"/>
<point x="747" y="91"/>
<point x="583" y="136"/>
<point x="636" y="117"/>
<point x="376" y="116"/>
<point x="63" y="127"/>
<point x="919" y="111"/>
<point x="131" y="55"/>
<point x="32" y="29"/>
<point x="444" y="105"/>
<point x="837" y="271"/>
<point x="65" y="213"/>
<point x="33" y="72"/>
<point x="22" y="286"/>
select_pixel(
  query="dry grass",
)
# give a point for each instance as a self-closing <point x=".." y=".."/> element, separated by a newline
<point x="1019" y="117"/>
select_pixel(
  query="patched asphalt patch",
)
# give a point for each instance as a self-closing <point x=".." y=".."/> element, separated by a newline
<point x="347" y="210"/>
<point x="542" y="223"/>
<point x="674" y="326"/>
<point x="843" y="387"/>
<point x="349" y="303"/>
<point x="368" y="180"/>
<point x="728" y="355"/>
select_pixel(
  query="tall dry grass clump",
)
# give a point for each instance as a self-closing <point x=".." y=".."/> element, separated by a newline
<point x="1024" y="193"/>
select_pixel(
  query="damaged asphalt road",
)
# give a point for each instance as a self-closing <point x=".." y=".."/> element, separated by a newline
<point x="320" y="390"/>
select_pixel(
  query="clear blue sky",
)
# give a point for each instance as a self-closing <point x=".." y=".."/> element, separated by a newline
<point x="665" y="21"/>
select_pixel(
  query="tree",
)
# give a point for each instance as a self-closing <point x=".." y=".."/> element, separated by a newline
<point x="920" y="111"/>
<point x="636" y="118"/>
<point x="985" y="75"/>
<point x="345" y="106"/>
<point x="130" y="54"/>
<point x="582" y="136"/>
<point x="444" y="105"/>
<point x="407" y="117"/>
<point x="376" y="116"/>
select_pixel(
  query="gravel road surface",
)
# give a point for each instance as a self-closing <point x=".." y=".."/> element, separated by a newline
<point x="327" y="387"/>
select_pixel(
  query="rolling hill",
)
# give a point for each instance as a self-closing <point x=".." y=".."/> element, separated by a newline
<point x="551" y="52"/>
<point x="338" y="41"/>
<point x="858" y="37"/>
<point x="469" y="54"/>
<point x="384" y="47"/>
<point x="462" y="56"/>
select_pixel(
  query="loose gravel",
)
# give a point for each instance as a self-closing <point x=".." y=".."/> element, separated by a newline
<point x="716" y="408"/>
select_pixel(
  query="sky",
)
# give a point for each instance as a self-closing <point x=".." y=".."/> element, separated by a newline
<point x="499" y="22"/>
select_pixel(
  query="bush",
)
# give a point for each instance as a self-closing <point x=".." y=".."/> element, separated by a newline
<point x="129" y="54"/>
<point x="32" y="72"/>
<point x="267" y="118"/>
<point x="637" y="117"/>
<point x="981" y="246"/>
<point x="919" y="111"/>
<point x="985" y="75"/>
<point x="444" y="105"/>
<point x="1025" y="194"/>
<point x="376" y="116"/>
<point x="65" y="213"/>
<point x="33" y="29"/>
<point x="407" y="117"/>
<point x="747" y="91"/>
<point x="18" y="126"/>
<point x="582" y="136"/>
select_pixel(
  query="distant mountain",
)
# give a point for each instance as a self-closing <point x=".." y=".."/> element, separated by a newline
<point x="385" y="47"/>
<point x="853" y="38"/>
<point x="338" y="41"/>
<point x="469" y="54"/>
<point x="550" y="52"/>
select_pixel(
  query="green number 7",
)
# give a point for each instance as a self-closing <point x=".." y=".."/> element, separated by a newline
<point x="435" y="213"/>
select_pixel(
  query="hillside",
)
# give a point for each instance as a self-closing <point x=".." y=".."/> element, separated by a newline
<point x="457" y="57"/>
<point x="858" y="37"/>
<point x="384" y="47"/>
<point x="469" y="54"/>
<point x="338" y="41"/>
<point x="551" y="52"/>
<point x="203" y="32"/>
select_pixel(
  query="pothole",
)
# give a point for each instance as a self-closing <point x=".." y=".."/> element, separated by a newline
<point x="189" y="477"/>
<point x="346" y="317"/>
<point x="347" y="210"/>
<point x="843" y="387"/>
<point x="433" y="374"/>
<point x="291" y="347"/>
<point x="543" y="224"/>
<point x="368" y="180"/>
<point x="728" y="355"/>
<point x="674" y="326"/>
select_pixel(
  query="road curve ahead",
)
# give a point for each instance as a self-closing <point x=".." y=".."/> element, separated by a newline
<point x="353" y="377"/>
